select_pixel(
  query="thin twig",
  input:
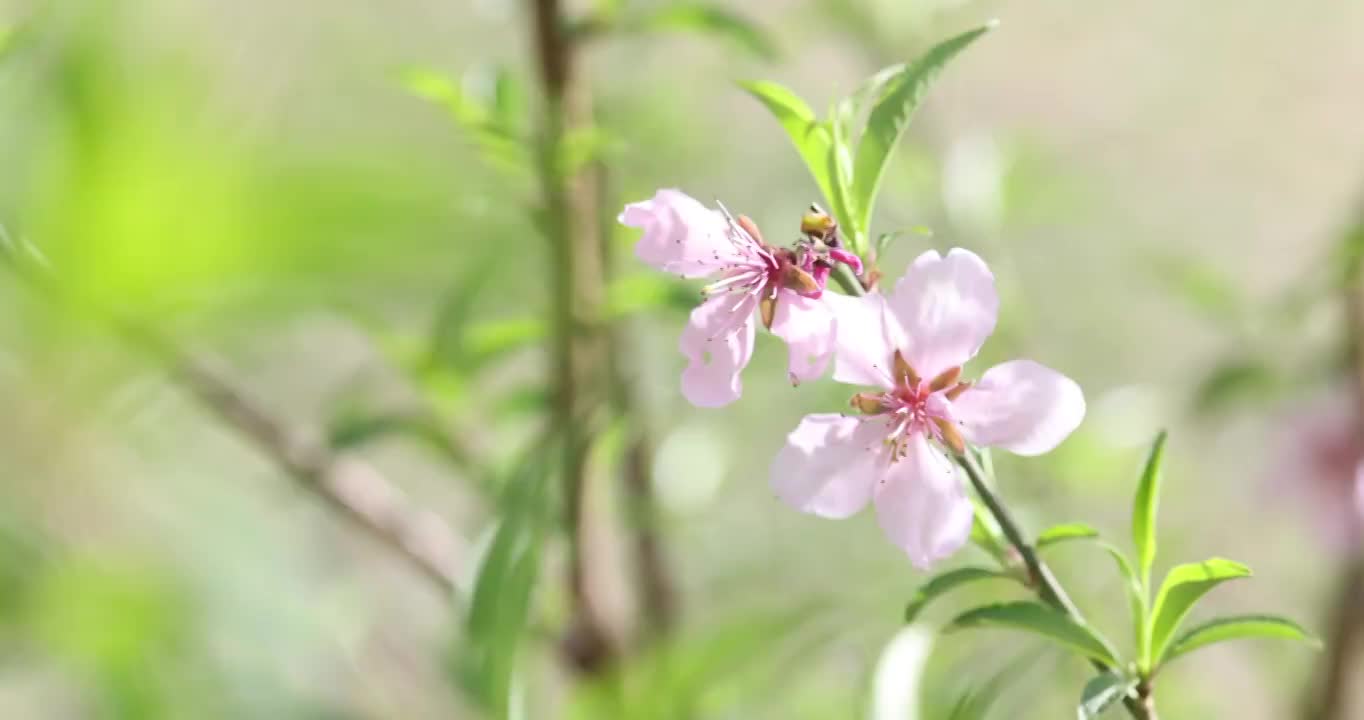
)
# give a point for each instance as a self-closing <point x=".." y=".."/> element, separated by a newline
<point x="1048" y="588"/>
<point x="359" y="491"/>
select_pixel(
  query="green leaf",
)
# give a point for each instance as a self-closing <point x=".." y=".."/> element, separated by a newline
<point x="1065" y="533"/>
<point x="490" y="340"/>
<point x="1238" y="379"/>
<point x="582" y="146"/>
<point x="811" y="137"/>
<point x="1040" y="620"/>
<point x="509" y="102"/>
<point x="713" y="20"/>
<point x="890" y="116"/>
<point x="500" y="605"/>
<point x="1136" y="596"/>
<point x="1144" y="510"/>
<point x="1235" y="628"/>
<point x="500" y="147"/>
<point x="1101" y="693"/>
<point x="1183" y="587"/>
<point x="840" y="181"/>
<point x="944" y="583"/>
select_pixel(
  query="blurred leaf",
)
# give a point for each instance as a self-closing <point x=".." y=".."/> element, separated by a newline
<point x="581" y="147"/>
<point x="944" y="583"/>
<point x="1101" y="693"/>
<point x="1233" y="381"/>
<point x="123" y="626"/>
<point x="1183" y="587"/>
<point x="490" y="340"/>
<point x="1236" y="628"/>
<point x="452" y="319"/>
<point x="644" y="292"/>
<point x="1065" y="533"/>
<point x="716" y="20"/>
<point x="1040" y="620"/>
<point x="676" y="678"/>
<point x="1201" y="286"/>
<point x="509" y="102"/>
<point x="811" y="137"/>
<point x="500" y="606"/>
<point x="897" y="681"/>
<point x="501" y="148"/>
<point x="1144" y="510"/>
<point x="890" y="116"/>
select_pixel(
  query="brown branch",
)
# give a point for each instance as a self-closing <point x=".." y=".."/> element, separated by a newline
<point x="350" y="485"/>
<point x="1347" y="631"/>
<point x="577" y="342"/>
<point x="1332" y="699"/>
<point x="355" y="488"/>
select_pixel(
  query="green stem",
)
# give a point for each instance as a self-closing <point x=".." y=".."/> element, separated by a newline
<point x="1048" y="588"/>
<point x="848" y="281"/>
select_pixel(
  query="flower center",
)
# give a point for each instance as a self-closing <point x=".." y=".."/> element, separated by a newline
<point x="916" y="406"/>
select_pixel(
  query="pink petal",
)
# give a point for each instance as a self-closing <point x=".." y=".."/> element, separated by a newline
<point x="718" y="343"/>
<point x="828" y="465"/>
<point x="1021" y="406"/>
<point x="681" y="236"/>
<point x="807" y="326"/>
<point x="947" y="307"/>
<point x="921" y="506"/>
<point x="863" y="342"/>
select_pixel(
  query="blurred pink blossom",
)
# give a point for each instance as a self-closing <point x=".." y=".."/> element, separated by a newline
<point x="1321" y="462"/>
<point x="783" y="287"/>
<point x="910" y="346"/>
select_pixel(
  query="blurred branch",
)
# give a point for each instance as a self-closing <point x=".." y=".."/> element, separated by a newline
<point x="570" y="199"/>
<point x="1347" y="624"/>
<point x="653" y="575"/>
<point x="358" y="490"/>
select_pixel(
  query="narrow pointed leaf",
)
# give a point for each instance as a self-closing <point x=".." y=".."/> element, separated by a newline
<point x="1136" y="598"/>
<point x="1101" y="693"/>
<point x="1238" y="627"/>
<point x="1184" y="586"/>
<point x="811" y="137"/>
<point x="899" y="97"/>
<point x="1043" y="621"/>
<point x="944" y="583"/>
<point x="1144" y="510"/>
<point x="1065" y="533"/>
<point x="841" y="182"/>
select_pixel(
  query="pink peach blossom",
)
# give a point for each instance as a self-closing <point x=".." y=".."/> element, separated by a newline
<point x="784" y="287"/>
<point x="910" y="347"/>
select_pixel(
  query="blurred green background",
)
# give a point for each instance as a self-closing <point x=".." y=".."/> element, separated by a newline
<point x="1159" y="188"/>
